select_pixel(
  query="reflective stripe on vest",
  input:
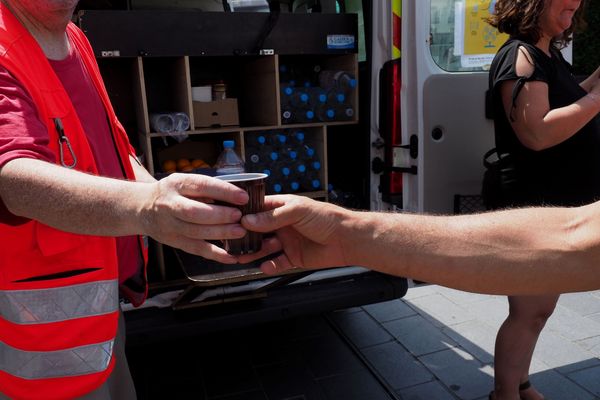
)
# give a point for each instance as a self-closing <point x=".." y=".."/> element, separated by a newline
<point x="59" y="304"/>
<point x="55" y="364"/>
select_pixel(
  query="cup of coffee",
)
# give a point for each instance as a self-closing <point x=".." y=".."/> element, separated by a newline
<point x="254" y="184"/>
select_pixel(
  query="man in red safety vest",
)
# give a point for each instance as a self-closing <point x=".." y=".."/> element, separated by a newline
<point x="74" y="206"/>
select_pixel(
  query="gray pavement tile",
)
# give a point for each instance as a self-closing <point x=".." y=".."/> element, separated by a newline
<point x="572" y="325"/>
<point x="594" y="317"/>
<point x="420" y="291"/>
<point x="555" y="386"/>
<point x="583" y="303"/>
<point x="588" y="378"/>
<point x="426" y="391"/>
<point x="591" y="344"/>
<point x="355" y="386"/>
<point x="441" y="310"/>
<point x="558" y="352"/>
<point x="460" y="297"/>
<point x="326" y="356"/>
<point x="459" y="371"/>
<point x="389" y="310"/>
<point x="419" y="335"/>
<point x="493" y="311"/>
<point x="476" y="337"/>
<point x="361" y="329"/>
<point x="396" y="366"/>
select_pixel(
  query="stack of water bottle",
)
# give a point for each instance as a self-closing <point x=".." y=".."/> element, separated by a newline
<point x="290" y="161"/>
<point x="315" y="95"/>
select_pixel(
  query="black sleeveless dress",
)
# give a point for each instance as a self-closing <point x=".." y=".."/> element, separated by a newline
<point x="567" y="174"/>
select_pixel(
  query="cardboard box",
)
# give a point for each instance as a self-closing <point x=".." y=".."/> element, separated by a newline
<point x="216" y="113"/>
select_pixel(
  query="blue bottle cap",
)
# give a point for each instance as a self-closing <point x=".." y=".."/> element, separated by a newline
<point x="316" y="183"/>
<point x="267" y="172"/>
<point x="330" y="114"/>
<point x="299" y="136"/>
<point x="293" y="155"/>
<point x="322" y="98"/>
<point x="310" y="114"/>
<point x="316" y="165"/>
<point x="277" y="188"/>
<point x="301" y="168"/>
<point x="304" y="98"/>
<point x="274" y="156"/>
<point x="285" y="171"/>
<point x="295" y="186"/>
<point x="228" y="144"/>
<point x="261" y="139"/>
<point x="281" y="138"/>
<point x="340" y="98"/>
<point x="288" y="91"/>
<point x="310" y="152"/>
<point x="352" y="83"/>
<point x="329" y="187"/>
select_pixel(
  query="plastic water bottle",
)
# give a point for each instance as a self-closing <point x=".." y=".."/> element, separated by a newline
<point x="325" y="113"/>
<point x="299" y="99"/>
<point x="228" y="161"/>
<point x="287" y="92"/>
<point x="343" y="81"/>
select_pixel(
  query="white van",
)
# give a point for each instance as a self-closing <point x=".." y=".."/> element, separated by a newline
<point x="415" y="142"/>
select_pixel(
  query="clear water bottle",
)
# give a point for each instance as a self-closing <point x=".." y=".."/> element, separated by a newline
<point x="339" y="80"/>
<point x="325" y="113"/>
<point x="287" y="92"/>
<point x="228" y="161"/>
<point x="299" y="99"/>
<point x="296" y="138"/>
<point x="305" y="116"/>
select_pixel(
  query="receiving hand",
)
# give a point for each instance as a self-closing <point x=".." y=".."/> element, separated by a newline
<point x="182" y="214"/>
<point x="306" y="230"/>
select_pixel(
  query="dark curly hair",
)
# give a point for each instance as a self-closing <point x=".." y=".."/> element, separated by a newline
<point x="520" y="18"/>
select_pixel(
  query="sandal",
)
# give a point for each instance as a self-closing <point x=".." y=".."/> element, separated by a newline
<point x="523" y="386"/>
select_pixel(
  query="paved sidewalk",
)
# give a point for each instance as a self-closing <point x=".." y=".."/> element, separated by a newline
<point x="438" y="343"/>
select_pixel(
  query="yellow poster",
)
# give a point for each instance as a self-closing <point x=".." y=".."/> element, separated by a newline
<point x="481" y="37"/>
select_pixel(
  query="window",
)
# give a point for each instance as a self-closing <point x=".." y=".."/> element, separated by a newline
<point x="460" y="38"/>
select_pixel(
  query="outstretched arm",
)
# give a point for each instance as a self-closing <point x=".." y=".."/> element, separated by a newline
<point x="178" y="210"/>
<point x="521" y="251"/>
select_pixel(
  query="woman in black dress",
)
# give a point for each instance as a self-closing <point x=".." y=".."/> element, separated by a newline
<point x="550" y="125"/>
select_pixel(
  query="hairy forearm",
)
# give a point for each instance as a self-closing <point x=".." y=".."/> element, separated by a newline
<point x="71" y="200"/>
<point x="526" y="251"/>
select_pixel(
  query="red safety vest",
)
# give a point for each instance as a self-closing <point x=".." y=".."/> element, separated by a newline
<point x="58" y="291"/>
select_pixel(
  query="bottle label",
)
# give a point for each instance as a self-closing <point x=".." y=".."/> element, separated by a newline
<point x="335" y="42"/>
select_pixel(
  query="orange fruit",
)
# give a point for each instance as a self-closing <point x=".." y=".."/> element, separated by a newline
<point x="169" y="166"/>
<point x="183" y="163"/>
<point x="198" y="163"/>
<point x="187" y="168"/>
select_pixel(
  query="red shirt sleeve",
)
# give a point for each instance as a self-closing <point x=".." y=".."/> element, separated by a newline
<point x="22" y="133"/>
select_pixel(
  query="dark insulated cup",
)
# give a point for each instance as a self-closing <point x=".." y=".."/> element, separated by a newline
<point x="254" y="184"/>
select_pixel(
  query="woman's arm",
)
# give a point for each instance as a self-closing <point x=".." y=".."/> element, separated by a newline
<point x="537" y="126"/>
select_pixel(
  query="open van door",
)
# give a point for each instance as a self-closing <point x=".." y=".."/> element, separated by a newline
<point x="446" y="50"/>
